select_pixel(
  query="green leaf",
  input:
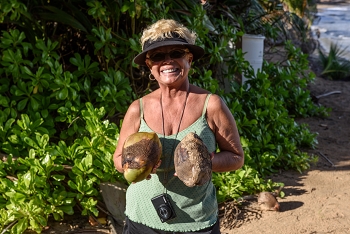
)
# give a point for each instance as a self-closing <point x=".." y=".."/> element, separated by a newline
<point x="67" y="209"/>
<point x="28" y="178"/>
<point x="58" y="15"/>
<point x="58" y="215"/>
<point x="31" y="143"/>
<point x="72" y="185"/>
<point x="20" y="226"/>
<point x="98" y="45"/>
<point x="44" y="113"/>
<point x="34" y="104"/>
<point x="34" y="224"/>
<point x="27" y="71"/>
<point x="58" y="177"/>
<point x="22" y="104"/>
<point x="63" y="94"/>
<point x="60" y="82"/>
<point x="98" y="173"/>
<point x="42" y="220"/>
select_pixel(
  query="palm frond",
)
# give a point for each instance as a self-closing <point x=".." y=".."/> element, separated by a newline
<point x="334" y="66"/>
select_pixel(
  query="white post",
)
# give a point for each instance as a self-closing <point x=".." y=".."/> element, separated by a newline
<point x="253" y="49"/>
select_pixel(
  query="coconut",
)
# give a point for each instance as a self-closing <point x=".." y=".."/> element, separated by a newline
<point x="141" y="152"/>
<point x="192" y="161"/>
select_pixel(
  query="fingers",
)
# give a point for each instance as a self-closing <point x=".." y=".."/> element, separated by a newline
<point x="212" y="154"/>
<point x="158" y="164"/>
<point x="154" y="170"/>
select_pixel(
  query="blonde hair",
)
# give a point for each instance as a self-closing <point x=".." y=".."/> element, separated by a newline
<point x="163" y="29"/>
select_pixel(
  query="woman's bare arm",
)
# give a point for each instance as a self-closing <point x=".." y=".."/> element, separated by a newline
<point x="220" y="119"/>
<point x="131" y="124"/>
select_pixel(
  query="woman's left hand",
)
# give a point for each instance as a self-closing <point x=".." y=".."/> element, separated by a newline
<point x="154" y="170"/>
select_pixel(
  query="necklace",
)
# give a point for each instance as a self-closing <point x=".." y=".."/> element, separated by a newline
<point x="177" y="131"/>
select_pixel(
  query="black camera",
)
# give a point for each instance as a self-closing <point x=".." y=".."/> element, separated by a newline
<point x="163" y="207"/>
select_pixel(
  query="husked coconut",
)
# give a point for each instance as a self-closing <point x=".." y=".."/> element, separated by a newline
<point x="268" y="201"/>
<point x="192" y="161"/>
<point x="141" y="152"/>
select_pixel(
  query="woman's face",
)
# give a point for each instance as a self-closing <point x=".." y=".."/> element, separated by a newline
<point x="169" y="64"/>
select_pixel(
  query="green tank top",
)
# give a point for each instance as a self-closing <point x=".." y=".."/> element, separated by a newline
<point x="196" y="208"/>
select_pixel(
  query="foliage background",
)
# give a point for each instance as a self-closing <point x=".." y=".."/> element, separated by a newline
<point x="67" y="78"/>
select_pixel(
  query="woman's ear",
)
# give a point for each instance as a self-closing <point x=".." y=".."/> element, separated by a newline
<point x="190" y="57"/>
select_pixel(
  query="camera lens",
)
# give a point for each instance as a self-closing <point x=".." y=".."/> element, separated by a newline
<point x="164" y="211"/>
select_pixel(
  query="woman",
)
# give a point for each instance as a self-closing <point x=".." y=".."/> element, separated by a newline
<point x="172" y="111"/>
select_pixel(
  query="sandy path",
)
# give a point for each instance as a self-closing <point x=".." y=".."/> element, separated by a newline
<point x="317" y="201"/>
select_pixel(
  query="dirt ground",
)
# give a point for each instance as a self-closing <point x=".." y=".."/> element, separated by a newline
<point x="316" y="201"/>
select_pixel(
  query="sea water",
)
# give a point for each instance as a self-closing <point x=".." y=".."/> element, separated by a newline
<point x="333" y="25"/>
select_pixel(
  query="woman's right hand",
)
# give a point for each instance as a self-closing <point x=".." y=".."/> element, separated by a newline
<point x="154" y="170"/>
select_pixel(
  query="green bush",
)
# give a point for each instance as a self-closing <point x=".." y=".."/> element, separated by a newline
<point x="264" y="109"/>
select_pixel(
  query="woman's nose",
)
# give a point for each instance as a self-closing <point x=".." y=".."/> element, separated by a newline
<point x="167" y="57"/>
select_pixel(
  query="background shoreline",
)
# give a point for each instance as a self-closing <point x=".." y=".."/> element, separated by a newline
<point x="332" y="25"/>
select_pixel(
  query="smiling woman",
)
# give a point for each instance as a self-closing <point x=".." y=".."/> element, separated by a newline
<point x="168" y="64"/>
<point x="163" y="202"/>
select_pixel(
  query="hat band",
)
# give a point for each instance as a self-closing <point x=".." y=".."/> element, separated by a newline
<point x="152" y="44"/>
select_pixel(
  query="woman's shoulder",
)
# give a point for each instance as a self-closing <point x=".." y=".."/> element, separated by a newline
<point x="134" y="108"/>
<point x="150" y="99"/>
<point x="216" y="103"/>
<point x="198" y="90"/>
<point x="147" y="101"/>
<point x="136" y="103"/>
<point x="214" y="98"/>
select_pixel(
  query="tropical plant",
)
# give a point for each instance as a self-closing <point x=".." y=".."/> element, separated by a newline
<point x="273" y="19"/>
<point x="334" y="66"/>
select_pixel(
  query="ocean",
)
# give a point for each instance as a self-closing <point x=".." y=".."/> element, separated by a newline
<point x="332" y="22"/>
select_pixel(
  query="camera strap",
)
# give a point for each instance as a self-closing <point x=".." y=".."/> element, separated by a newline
<point x="177" y="132"/>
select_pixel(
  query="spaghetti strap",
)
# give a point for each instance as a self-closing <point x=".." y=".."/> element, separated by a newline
<point x="141" y="109"/>
<point x="206" y="104"/>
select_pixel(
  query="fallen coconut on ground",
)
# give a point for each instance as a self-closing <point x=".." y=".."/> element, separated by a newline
<point x="192" y="161"/>
<point x="141" y="152"/>
<point x="268" y="201"/>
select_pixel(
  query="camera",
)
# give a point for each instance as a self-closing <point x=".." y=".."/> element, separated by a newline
<point x="163" y="207"/>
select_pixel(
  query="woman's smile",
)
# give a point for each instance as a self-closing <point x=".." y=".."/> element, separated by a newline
<point x="170" y="70"/>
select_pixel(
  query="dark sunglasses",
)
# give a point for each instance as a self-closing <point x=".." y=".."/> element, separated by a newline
<point x="174" y="54"/>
